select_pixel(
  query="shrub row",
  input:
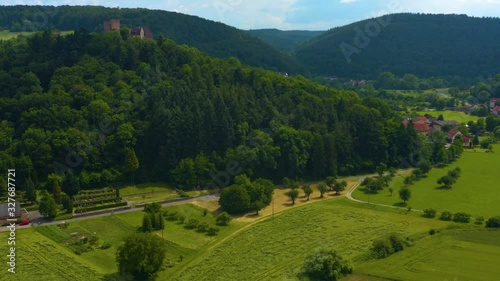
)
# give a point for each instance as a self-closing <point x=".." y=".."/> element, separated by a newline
<point x="93" y="203"/>
<point x="462" y="217"/>
<point x="102" y="207"/>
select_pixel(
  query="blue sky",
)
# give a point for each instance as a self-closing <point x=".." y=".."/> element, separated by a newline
<point x="291" y="14"/>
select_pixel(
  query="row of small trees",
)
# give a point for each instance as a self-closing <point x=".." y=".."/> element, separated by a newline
<point x="330" y="183"/>
<point x="462" y="217"/>
<point x="449" y="179"/>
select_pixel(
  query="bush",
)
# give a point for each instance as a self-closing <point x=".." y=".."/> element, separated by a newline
<point x="97" y="208"/>
<point x="203" y="227"/>
<point x="184" y="194"/>
<point x="479" y="220"/>
<point x="429" y="213"/>
<point x="105" y="245"/>
<point x="382" y="248"/>
<point x="432" y="231"/>
<point x="493" y="222"/>
<point x="223" y="219"/>
<point x="326" y="265"/>
<point x="181" y="218"/>
<point x="396" y="243"/>
<point x="385" y="247"/>
<point x="461" y="217"/>
<point x="171" y="216"/>
<point x="191" y="223"/>
<point x="213" y="230"/>
<point x="446" y="216"/>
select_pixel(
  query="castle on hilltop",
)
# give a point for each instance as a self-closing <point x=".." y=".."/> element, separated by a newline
<point x="142" y="32"/>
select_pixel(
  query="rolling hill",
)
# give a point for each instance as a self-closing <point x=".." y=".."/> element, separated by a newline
<point x="284" y="41"/>
<point x="421" y="44"/>
<point x="214" y="38"/>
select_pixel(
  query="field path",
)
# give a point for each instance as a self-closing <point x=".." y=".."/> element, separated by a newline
<point x="349" y="196"/>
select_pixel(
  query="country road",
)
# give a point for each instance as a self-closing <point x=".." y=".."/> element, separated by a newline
<point x="211" y="197"/>
<point x="43" y="222"/>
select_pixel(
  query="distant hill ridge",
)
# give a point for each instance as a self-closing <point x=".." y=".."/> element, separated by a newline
<point x="214" y="38"/>
<point x="421" y="44"/>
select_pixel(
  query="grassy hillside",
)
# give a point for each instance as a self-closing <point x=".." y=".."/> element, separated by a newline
<point x="270" y="249"/>
<point x="214" y="38"/>
<point x="424" y="45"/>
<point x="475" y="192"/>
<point x="284" y="41"/>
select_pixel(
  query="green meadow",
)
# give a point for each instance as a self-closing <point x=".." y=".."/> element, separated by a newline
<point x="476" y="191"/>
<point x="272" y="248"/>
<point x="451" y="115"/>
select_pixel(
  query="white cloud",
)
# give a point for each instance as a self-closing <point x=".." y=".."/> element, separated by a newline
<point x="347" y="1"/>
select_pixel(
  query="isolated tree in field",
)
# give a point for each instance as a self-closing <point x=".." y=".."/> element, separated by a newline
<point x="48" y="206"/>
<point x="330" y="182"/>
<point x="30" y="190"/>
<point x="131" y="163"/>
<point x="293" y="194"/>
<point x="322" y="188"/>
<point x="339" y="187"/>
<point x="391" y="190"/>
<point x="446" y="181"/>
<point x="223" y="219"/>
<point x="307" y="191"/>
<point x="326" y="265"/>
<point x="405" y="194"/>
<point x="141" y="255"/>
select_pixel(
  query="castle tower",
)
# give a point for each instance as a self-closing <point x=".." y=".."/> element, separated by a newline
<point x="112" y="24"/>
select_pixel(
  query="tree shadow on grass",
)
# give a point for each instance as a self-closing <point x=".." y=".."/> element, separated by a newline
<point x="117" y="277"/>
<point x="400" y="204"/>
<point x="288" y="204"/>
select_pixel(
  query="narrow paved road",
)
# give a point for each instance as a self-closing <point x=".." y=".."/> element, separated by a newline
<point x="43" y="222"/>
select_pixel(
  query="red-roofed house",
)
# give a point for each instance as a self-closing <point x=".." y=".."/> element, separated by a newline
<point x="452" y="134"/>
<point x="420" y="126"/>
<point x="496" y="110"/>
<point x="493" y="102"/>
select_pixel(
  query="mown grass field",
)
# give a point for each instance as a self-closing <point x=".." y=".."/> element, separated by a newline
<point x="271" y="248"/>
<point x="452" y="115"/>
<point x="450" y="255"/>
<point x="476" y="191"/>
<point x="41" y="259"/>
<point x="274" y="249"/>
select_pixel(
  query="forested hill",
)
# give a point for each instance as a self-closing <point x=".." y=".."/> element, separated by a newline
<point x="285" y="41"/>
<point x="109" y="109"/>
<point x="214" y="38"/>
<point x="424" y="45"/>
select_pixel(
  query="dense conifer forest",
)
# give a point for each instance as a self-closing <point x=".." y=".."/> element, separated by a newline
<point x="112" y="109"/>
